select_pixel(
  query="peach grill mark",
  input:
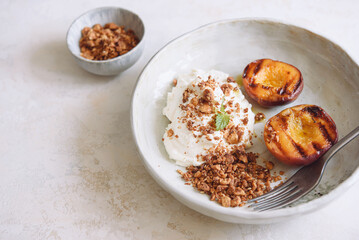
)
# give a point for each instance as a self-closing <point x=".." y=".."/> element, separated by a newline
<point x="283" y="90"/>
<point x="279" y="146"/>
<point x="245" y="71"/>
<point x="298" y="83"/>
<point x="317" y="146"/>
<point x="251" y="82"/>
<point x="283" y="122"/>
<point x="314" y="111"/>
<point x="256" y="70"/>
<point x="325" y="133"/>
<point x="299" y="148"/>
<point x="258" y="67"/>
<point x="317" y="112"/>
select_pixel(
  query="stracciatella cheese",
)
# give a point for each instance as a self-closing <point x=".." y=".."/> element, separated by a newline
<point x="192" y="106"/>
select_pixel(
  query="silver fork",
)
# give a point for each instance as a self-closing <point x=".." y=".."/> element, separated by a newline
<point x="302" y="182"/>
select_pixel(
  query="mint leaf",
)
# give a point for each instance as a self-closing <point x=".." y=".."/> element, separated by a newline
<point x="222" y="106"/>
<point x="222" y="120"/>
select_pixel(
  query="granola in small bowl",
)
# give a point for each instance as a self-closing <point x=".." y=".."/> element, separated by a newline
<point x="106" y="42"/>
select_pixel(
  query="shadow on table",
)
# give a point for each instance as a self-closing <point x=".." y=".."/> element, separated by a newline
<point x="53" y="62"/>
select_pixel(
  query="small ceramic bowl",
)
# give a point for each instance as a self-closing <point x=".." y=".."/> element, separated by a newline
<point x="121" y="17"/>
<point x="331" y="80"/>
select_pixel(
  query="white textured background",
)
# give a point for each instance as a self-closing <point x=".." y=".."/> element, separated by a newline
<point x="68" y="164"/>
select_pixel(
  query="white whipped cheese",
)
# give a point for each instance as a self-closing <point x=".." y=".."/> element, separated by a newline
<point x="186" y="142"/>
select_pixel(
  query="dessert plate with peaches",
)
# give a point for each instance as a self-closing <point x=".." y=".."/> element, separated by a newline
<point x="225" y="113"/>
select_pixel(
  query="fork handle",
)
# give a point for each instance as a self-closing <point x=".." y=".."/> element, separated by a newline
<point x="339" y="145"/>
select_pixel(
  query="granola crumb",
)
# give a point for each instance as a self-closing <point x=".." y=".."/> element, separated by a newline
<point x="259" y="117"/>
<point x="230" y="80"/>
<point x="277" y="178"/>
<point x="226" y="201"/>
<point x="230" y="177"/>
<point x="226" y="89"/>
<point x="170" y="132"/>
<point x="205" y="108"/>
<point x="269" y="165"/>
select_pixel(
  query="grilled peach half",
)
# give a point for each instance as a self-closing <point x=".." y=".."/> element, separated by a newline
<point x="300" y="135"/>
<point x="272" y="83"/>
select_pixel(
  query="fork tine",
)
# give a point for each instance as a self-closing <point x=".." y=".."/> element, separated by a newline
<point x="279" y="196"/>
<point x="273" y="192"/>
<point x="288" y="200"/>
<point x="283" y="191"/>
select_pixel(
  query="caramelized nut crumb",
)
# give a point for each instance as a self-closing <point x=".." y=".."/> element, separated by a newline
<point x="230" y="178"/>
<point x="269" y="165"/>
<point x="230" y="80"/>
<point x="205" y="108"/>
<point x="208" y="95"/>
<point x="170" y="132"/>
<point x="259" y="117"/>
<point x="227" y="88"/>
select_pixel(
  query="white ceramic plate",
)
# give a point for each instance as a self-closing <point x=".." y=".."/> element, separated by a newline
<point x="331" y="80"/>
